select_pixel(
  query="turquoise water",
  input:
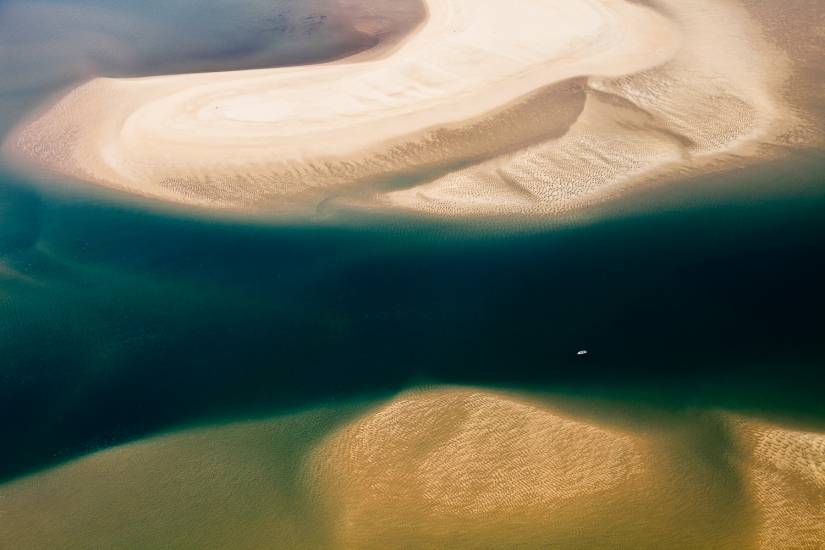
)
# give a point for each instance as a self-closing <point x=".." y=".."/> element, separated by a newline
<point x="118" y="320"/>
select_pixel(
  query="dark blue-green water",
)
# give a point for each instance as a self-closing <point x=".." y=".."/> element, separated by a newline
<point x="116" y="321"/>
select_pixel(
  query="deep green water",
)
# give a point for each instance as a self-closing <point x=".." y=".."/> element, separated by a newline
<point x="117" y="320"/>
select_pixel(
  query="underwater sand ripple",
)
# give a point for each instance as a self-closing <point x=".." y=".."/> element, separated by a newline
<point x="448" y="466"/>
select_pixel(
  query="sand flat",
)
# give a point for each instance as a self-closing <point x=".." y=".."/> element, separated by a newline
<point x="236" y="139"/>
<point x="666" y="88"/>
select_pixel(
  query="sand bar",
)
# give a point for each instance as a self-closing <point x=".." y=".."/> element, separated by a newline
<point x="434" y="110"/>
<point x="438" y="467"/>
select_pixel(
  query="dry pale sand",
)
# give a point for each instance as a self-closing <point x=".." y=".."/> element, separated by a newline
<point x="438" y="468"/>
<point x="484" y="109"/>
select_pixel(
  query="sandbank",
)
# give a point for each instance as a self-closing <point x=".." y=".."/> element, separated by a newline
<point x="445" y="466"/>
<point x="662" y="86"/>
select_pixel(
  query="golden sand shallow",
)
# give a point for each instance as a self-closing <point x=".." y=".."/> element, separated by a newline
<point x="441" y="467"/>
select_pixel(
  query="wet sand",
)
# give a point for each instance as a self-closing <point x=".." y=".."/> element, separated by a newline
<point x="462" y="467"/>
<point x="665" y="88"/>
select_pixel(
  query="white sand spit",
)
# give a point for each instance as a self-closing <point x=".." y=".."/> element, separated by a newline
<point x="435" y="113"/>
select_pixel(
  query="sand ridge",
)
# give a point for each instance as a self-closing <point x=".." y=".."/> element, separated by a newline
<point x="427" y="126"/>
<point x="239" y="139"/>
<point x="715" y="98"/>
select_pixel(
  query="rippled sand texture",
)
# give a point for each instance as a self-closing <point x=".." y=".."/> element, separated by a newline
<point x="719" y="94"/>
<point x="484" y="109"/>
<point x="786" y="475"/>
<point x="467" y="469"/>
<point x="442" y="468"/>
